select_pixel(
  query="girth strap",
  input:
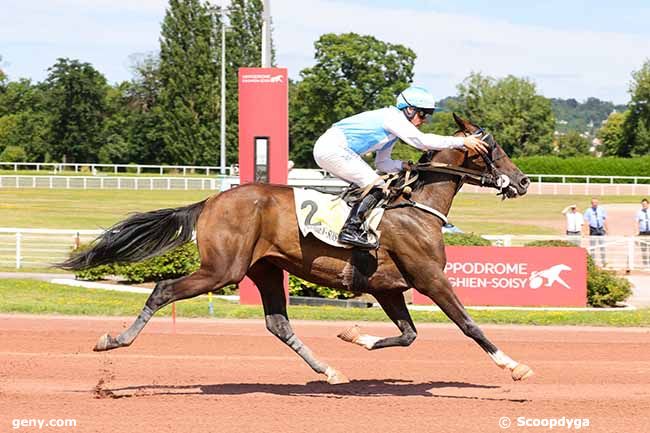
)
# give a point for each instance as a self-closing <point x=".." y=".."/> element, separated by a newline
<point x="423" y="207"/>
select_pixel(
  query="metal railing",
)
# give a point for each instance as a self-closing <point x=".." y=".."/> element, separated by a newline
<point x="611" y="252"/>
<point x="39" y="248"/>
<point x="57" y="167"/>
<point x="110" y="182"/>
<point x="305" y="173"/>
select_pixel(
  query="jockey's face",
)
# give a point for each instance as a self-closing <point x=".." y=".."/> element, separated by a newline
<point x="418" y="118"/>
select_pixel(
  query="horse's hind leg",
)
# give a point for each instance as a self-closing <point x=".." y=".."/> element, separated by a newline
<point x="269" y="279"/>
<point x="166" y="292"/>
<point x="395" y="307"/>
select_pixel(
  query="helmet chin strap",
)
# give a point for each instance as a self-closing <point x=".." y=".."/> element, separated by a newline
<point x="409" y="116"/>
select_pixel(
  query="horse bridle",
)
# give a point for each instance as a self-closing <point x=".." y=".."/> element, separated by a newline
<point x="490" y="176"/>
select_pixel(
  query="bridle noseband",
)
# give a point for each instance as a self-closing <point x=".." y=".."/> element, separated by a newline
<point x="491" y="176"/>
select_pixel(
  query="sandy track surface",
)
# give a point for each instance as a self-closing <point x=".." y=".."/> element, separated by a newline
<point x="232" y="376"/>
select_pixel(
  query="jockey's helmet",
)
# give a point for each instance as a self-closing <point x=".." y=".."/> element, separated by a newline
<point x="417" y="97"/>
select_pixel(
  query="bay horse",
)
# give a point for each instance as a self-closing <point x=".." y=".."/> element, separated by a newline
<point x="252" y="230"/>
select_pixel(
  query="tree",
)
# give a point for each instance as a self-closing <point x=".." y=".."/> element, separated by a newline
<point x="521" y="120"/>
<point x="572" y="144"/>
<point x="353" y="73"/>
<point x="13" y="154"/>
<point x="3" y="76"/>
<point x="189" y="82"/>
<point x="243" y="49"/>
<point x="76" y="101"/>
<point x="611" y="134"/>
<point x="637" y="124"/>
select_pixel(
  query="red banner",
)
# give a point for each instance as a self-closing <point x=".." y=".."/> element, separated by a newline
<point x="516" y="276"/>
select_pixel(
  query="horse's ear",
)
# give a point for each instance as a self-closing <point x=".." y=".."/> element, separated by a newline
<point x="463" y="124"/>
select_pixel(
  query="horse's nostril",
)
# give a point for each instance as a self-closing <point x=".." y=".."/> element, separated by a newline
<point x="524" y="182"/>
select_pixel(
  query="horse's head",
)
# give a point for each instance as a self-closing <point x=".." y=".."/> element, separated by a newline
<point x="494" y="170"/>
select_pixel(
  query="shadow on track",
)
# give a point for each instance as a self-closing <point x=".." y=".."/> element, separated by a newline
<point x="356" y="388"/>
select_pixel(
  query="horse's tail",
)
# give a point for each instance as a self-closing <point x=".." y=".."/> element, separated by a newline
<point x="139" y="237"/>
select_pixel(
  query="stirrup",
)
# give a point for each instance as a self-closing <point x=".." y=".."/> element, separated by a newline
<point x="357" y="240"/>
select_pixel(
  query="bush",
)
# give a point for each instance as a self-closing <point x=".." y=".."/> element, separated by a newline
<point x="174" y="264"/>
<point x="466" y="239"/>
<point x="300" y="287"/>
<point x="604" y="288"/>
<point x="584" y="166"/>
<point x="13" y="154"/>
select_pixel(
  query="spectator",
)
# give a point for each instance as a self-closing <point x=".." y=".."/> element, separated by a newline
<point x="574" y="223"/>
<point x="596" y="218"/>
<point x="643" y="219"/>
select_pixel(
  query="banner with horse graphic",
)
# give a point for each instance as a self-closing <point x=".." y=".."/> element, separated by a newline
<point x="516" y="276"/>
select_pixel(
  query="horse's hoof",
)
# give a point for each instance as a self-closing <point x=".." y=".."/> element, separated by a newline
<point x="521" y="372"/>
<point x="105" y="342"/>
<point x="351" y="335"/>
<point x="335" y="377"/>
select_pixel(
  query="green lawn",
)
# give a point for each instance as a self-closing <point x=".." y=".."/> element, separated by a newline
<point x="35" y="297"/>
<point x="90" y="209"/>
<point x="83" y="209"/>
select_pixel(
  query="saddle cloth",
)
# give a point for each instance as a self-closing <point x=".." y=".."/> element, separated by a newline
<point x="323" y="215"/>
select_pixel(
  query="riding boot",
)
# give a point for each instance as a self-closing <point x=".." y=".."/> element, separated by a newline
<point x="352" y="232"/>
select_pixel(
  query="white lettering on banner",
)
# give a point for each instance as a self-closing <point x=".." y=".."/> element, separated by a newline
<point x="262" y="78"/>
<point x="508" y="275"/>
<point x="487" y="268"/>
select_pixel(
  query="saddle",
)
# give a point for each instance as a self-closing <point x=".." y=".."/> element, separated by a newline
<point x="323" y="215"/>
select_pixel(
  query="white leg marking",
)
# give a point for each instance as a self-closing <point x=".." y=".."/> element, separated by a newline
<point x="367" y="341"/>
<point x="503" y="360"/>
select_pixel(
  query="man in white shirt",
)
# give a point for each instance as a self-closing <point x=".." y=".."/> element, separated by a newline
<point x="643" y="220"/>
<point x="574" y="223"/>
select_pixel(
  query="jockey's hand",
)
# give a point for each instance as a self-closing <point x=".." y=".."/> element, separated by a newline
<point x="472" y="142"/>
<point x="408" y="165"/>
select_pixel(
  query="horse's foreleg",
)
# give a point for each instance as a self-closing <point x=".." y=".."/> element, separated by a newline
<point x="269" y="280"/>
<point x="165" y="292"/>
<point x="440" y="291"/>
<point x="395" y="307"/>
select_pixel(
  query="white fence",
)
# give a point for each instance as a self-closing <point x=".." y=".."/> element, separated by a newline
<point x="614" y="252"/>
<point x="39" y="248"/>
<point x="114" y="168"/>
<point x="109" y="182"/>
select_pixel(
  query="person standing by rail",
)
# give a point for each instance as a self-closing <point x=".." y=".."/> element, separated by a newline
<point x="574" y="223"/>
<point x="596" y="218"/>
<point x="643" y="220"/>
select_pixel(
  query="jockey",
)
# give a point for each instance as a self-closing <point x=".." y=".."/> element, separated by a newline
<point x="338" y="150"/>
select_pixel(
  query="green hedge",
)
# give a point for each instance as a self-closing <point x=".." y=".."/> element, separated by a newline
<point x="587" y="166"/>
<point x="604" y="288"/>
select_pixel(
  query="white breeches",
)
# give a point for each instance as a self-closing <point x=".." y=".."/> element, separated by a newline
<point x="331" y="153"/>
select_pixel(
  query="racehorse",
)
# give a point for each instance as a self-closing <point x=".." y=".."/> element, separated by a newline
<point x="252" y="230"/>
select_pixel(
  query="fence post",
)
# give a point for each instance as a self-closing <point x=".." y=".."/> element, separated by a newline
<point x="18" y="249"/>
<point x="631" y="241"/>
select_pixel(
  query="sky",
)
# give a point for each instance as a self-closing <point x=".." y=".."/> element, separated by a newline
<point x="569" y="49"/>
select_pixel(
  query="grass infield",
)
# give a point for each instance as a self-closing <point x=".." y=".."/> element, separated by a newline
<point x="35" y="297"/>
<point x="91" y="209"/>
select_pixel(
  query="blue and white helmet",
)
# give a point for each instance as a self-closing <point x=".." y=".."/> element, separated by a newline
<point x="417" y="97"/>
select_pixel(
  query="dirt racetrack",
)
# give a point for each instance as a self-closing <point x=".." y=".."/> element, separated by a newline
<point x="232" y="376"/>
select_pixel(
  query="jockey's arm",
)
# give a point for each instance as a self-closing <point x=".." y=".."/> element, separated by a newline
<point x="384" y="163"/>
<point x="399" y="125"/>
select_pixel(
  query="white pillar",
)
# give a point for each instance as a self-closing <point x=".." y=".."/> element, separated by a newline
<point x="266" y="34"/>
